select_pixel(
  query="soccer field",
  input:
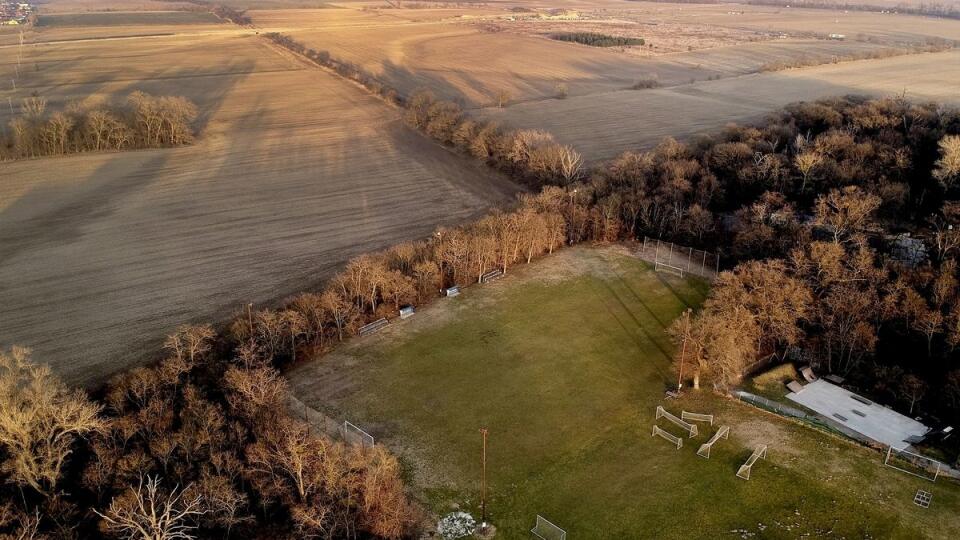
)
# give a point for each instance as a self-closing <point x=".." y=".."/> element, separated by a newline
<point x="564" y="362"/>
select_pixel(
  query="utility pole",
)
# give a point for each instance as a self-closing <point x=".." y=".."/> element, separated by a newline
<point x="440" y="260"/>
<point x="683" y="349"/>
<point x="483" y="482"/>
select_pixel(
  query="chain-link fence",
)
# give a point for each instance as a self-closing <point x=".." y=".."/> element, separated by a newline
<point x="674" y="258"/>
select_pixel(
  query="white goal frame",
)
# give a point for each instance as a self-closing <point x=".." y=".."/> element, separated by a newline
<point x="925" y="463"/>
<point x="545" y="527"/>
<point x="722" y="433"/>
<point x="759" y="452"/>
<point x="668" y="268"/>
<point x="667" y="435"/>
<point x="686" y="426"/>
<point x="354" y="435"/>
<point x="696" y="417"/>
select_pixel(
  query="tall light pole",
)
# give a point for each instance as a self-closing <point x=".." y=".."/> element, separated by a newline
<point x="483" y="481"/>
<point x="683" y="349"/>
<point x="440" y="259"/>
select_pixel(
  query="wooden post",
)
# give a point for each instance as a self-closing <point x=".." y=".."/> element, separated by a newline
<point x="483" y="480"/>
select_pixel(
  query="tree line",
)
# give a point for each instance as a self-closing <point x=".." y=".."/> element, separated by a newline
<point x="594" y="39"/>
<point x="931" y="9"/>
<point x="140" y="121"/>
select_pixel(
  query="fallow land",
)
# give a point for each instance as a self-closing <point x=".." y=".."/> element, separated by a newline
<point x="294" y="172"/>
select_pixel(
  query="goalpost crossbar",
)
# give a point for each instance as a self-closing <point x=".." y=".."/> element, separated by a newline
<point x="668" y="268"/>
<point x="705" y="448"/>
<point x="922" y="463"/>
<point x="696" y="417"/>
<point x="687" y="426"/>
<point x="668" y="436"/>
<point x="354" y="435"/>
<point x="546" y="530"/>
<point x="759" y="452"/>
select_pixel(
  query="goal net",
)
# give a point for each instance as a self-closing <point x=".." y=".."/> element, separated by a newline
<point x="668" y="436"/>
<point x="688" y="427"/>
<point x="668" y="268"/>
<point x="696" y="417"/>
<point x="356" y="436"/>
<point x="547" y="531"/>
<point x="915" y="464"/>
<point x="705" y="448"/>
<point x="759" y="452"/>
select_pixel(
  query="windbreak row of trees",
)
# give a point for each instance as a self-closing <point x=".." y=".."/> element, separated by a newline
<point x="933" y="9"/>
<point x="597" y="40"/>
<point x="141" y="121"/>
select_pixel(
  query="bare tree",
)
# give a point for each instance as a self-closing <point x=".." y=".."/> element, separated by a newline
<point x="39" y="421"/>
<point x="948" y="166"/>
<point x="147" y="513"/>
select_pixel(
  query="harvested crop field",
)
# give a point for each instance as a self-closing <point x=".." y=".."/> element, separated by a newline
<point x="101" y="255"/>
<point x="127" y="18"/>
<point x="602" y="126"/>
<point x="472" y="55"/>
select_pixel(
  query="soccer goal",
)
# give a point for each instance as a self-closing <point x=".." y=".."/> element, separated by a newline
<point x="547" y="531"/>
<point x="696" y="417"/>
<point x="354" y="435"/>
<point x="722" y="433"/>
<point x="687" y="426"/>
<point x="759" y="452"/>
<point x="668" y="436"/>
<point x="914" y="464"/>
<point x="668" y="268"/>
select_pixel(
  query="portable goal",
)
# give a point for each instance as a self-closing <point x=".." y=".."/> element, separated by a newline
<point x="722" y="433"/>
<point x="691" y="429"/>
<point x="668" y="436"/>
<point x="354" y="435"/>
<point x="696" y="417"/>
<point x="547" y="531"/>
<point x="759" y="452"/>
<point x="668" y="268"/>
<point x="914" y="464"/>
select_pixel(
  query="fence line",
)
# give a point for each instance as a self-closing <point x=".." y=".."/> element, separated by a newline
<point x="680" y="258"/>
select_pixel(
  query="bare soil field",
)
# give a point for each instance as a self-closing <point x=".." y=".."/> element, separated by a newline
<point x="127" y="18"/>
<point x="101" y="255"/>
<point x="603" y="125"/>
<point x="473" y="54"/>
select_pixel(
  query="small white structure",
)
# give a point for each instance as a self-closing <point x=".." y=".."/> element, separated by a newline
<point x="677" y="441"/>
<point x="759" y="452"/>
<point x="354" y="435"/>
<point x="722" y="433"/>
<point x="696" y="417"/>
<point x="546" y="530"/>
<point x="688" y="427"/>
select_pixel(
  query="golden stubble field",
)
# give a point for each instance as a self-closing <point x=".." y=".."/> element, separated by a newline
<point x="604" y="125"/>
<point x="475" y="53"/>
<point x="295" y="171"/>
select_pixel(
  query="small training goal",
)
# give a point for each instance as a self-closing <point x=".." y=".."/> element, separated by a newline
<point x="696" y="417"/>
<point x="547" y="531"/>
<point x="759" y="452"/>
<point x="354" y="435"/>
<point x="915" y="464"/>
<point x="691" y="429"/>
<point x="668" y="268"/>
<point x="721" y="433"/>
<point x="668" y="436"/>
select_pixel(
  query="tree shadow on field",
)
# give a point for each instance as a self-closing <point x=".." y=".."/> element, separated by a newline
<point x="67" y="225"/>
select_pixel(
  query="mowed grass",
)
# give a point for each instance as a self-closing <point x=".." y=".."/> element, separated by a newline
<point x="564" y="362"/>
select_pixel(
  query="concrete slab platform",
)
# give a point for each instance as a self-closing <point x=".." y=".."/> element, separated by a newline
<point x="856" y="413"/>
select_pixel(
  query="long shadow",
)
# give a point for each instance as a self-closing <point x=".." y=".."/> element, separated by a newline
<point x="56" y="228"/>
